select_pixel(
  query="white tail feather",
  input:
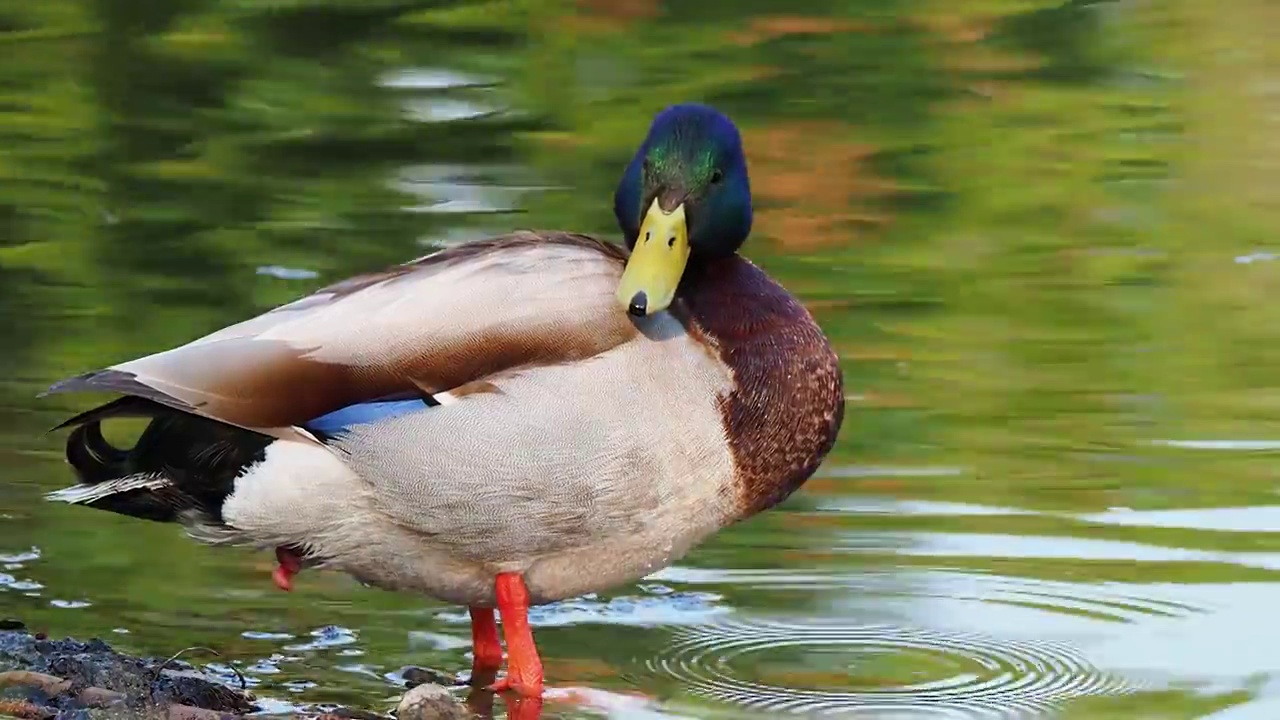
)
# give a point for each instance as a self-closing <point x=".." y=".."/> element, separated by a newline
<point x="83" y="494"/>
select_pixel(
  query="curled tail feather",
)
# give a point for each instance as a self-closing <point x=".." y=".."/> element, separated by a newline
<point x="182" y="467"/>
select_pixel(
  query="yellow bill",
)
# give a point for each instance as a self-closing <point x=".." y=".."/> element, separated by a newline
<point x="657" y="263"/>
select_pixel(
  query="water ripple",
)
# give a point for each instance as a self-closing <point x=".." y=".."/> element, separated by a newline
<point x="324" y="638"/>
<point x="979" y="675"/>
<point x="21" y="557"/>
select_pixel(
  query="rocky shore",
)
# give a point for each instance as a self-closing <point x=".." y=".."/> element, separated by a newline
<point x="45" y="679"/>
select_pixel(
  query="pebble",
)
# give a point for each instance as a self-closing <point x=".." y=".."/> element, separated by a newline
<point x="430" y="702"/>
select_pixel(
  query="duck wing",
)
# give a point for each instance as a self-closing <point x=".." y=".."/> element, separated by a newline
<point x="439" y="322"/>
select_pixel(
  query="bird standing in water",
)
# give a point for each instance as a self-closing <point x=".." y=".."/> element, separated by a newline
<point x="504" y="423"/>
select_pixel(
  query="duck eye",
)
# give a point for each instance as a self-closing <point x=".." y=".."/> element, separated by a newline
<point x="716" y="176"/>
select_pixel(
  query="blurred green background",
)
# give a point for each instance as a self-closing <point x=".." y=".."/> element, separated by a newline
<point x="1039" y="234"/>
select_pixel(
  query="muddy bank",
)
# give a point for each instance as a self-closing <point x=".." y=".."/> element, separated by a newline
<point x="45" y="679"/>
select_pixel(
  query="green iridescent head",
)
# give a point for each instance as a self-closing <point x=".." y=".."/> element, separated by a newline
<point x="684" y="199"/>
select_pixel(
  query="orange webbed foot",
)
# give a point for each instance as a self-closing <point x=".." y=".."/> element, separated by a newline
<point x="289" y="564"/>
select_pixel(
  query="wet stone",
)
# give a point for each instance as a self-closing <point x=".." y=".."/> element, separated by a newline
<point x="415" y="676"/>
<point x="71" y="675"/>
<point x="430" y="702"/>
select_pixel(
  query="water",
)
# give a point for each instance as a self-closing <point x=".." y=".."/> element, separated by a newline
<point x="1041" y="235"/>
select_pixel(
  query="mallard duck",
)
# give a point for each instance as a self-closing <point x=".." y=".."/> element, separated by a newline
<point x="503" y="423"/>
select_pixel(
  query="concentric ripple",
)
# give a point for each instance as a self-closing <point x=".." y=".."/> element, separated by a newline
<point x="886" y="669"/>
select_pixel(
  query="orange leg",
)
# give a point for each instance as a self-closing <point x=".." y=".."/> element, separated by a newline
<point x="289" y="565"/>
<point x="486" y="650"/>
<point x="524" y="667"/>
<point x="524" y="708"/>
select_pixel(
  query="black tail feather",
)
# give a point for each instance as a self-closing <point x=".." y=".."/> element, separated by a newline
<point x="127" y="406"/>
<point x="181" y="463"/>
<point x="95" y="459"/>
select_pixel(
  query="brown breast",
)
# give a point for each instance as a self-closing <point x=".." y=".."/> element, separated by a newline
<point x="783" y="416"/>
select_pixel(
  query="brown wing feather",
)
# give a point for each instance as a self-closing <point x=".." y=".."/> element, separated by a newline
<point x="439" y="322"/>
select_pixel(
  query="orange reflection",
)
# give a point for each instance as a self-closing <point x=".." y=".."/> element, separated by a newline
<point x="613" y="15"/>
<point x="763" y="29"/>
<point x="813" y="184"/>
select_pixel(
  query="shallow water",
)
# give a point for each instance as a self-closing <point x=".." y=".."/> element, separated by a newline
<point x="1040" y="235"/>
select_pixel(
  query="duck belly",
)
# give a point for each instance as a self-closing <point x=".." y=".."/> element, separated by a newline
<point x="304" y="496"/>
<point x="384" y="554"/>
